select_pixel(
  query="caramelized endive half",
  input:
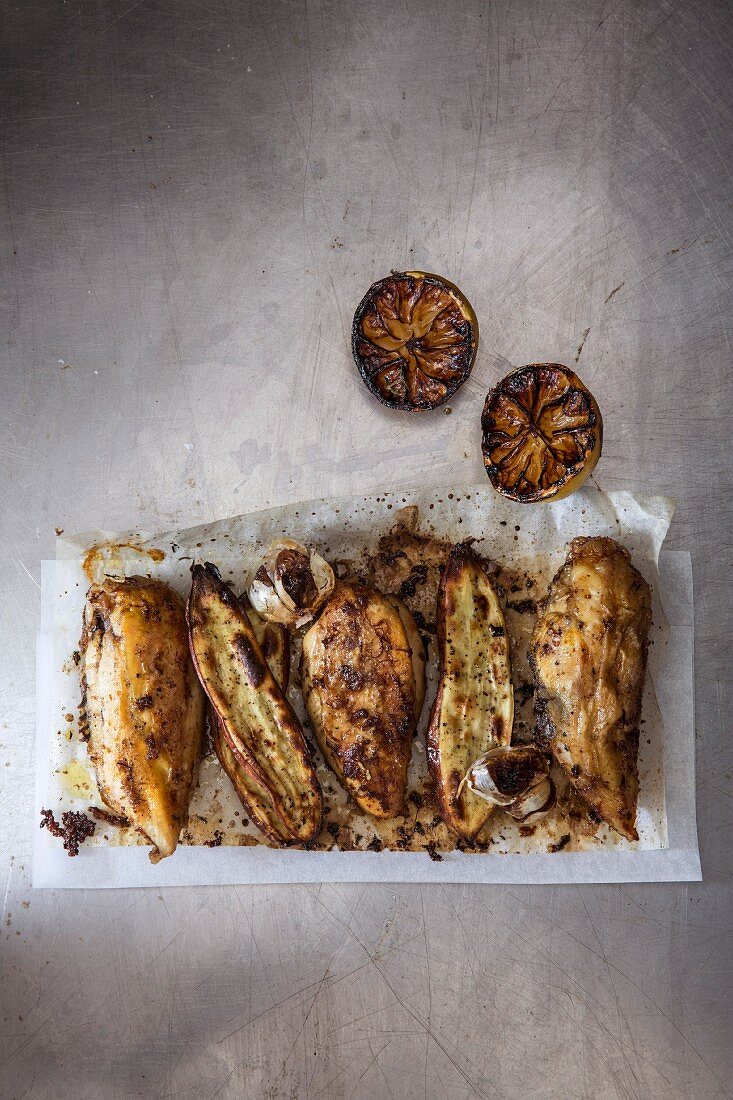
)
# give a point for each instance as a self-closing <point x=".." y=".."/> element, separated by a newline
<point x="588" y="653"/>
<point x="473" y="710"/>
<point x="144" y="709"/>
<point x="417" y="651"/>
<point x="359" y="688"/>
<point x="261" y="730"/>
<point x="256" y="799"/>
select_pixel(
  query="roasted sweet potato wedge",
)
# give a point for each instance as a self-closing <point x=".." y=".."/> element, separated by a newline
<point x="474" y="705"/>
<point x="261" y="731"/>
<point x="359" y="689"/>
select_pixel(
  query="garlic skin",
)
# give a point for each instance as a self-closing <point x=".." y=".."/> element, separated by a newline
<point x="291" y="584"/>
<point x="515" y="777"/>
<point x="534" y="803"/>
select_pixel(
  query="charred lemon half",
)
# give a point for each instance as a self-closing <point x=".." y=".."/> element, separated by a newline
<point x="542" y="433"/>
<point x="414" y="340"/>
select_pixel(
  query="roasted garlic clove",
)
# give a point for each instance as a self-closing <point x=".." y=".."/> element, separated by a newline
<point x="515" y="777"/>
<point x="144" y="709"/>
<point x="291" y="584"/>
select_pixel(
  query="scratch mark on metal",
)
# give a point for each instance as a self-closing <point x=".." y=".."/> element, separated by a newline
<point x="581" y="345"/>
<point x="614" y="291"/>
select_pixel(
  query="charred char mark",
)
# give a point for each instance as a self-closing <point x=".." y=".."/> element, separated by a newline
<point x="352" y="677"/>
<point x="118" y="820"/>
<point x="544" y="729"/>
<point x="255" y="669"/>
<point x="522" y="607"/>
<point x="418" y="575"/>
<point x="513" y="774"/>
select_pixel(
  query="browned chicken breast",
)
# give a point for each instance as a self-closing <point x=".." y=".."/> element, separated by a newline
<point x="360" y="689"/>
<point x="589" y="652"/>
<point x="143" y="704"/>
<point x="473" y="711"/>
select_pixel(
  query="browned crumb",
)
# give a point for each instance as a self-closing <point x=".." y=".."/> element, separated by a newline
<point x="562" y="843"/>
<point x="434" y="855"/>
<point x="73" y="830"/>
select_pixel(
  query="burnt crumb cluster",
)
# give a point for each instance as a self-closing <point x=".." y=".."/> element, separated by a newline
<point x="523" y="692"/>
<point x="73" y="830"/>
<point x="418" y="575"/>
<point x="522" y="607"/>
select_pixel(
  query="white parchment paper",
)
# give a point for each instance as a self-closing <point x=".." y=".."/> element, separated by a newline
<point x="343" y="528"/>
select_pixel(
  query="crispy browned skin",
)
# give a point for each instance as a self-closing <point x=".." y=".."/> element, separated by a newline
<point x="589" y="652"/>
<point x="359" y="689"/>
<point x="474" y="704"/>
<point x="261" y="730"/>
<point x="143" y="706"/>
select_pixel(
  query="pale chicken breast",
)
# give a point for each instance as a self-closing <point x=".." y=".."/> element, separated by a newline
<point x="588" y="652"/>
<point x="143" y="706"/>
<point x="360" y="690"/>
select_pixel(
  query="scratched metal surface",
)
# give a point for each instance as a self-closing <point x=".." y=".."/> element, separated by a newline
<point x="195" y="198"/>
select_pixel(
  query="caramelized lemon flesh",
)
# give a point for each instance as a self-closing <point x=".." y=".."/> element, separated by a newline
<point x="542" y="433"/>
<point x="414" y="340"/>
